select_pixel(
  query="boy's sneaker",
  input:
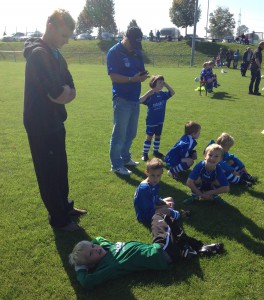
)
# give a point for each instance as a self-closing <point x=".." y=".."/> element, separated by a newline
<point x="132" y="163"/>
<point x="173" y="175"/>
<point x="245" y="183"/>
<point x="219" y="200"/>
<point x="188" y="252"/>
<point x="248" y="177"/>
<point x="191" y="200"/>
<point x="209" y="250"/>
<point x="122" y="171"/>
<point x="145" y="157"/>
<point x="158" y="154"/>
<point x="185" y="214"/>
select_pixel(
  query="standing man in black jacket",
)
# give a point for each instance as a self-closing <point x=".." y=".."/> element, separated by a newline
<point x="48" y="87"/>
<point x="255" y="67"/>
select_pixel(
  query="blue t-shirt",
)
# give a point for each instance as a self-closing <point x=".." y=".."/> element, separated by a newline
<point x="122" y="62"/>
<point x="208" y="177"/>
<point x="156" y="104"/>
<point x="181" y="149"/>
<point x="145" y="199"/>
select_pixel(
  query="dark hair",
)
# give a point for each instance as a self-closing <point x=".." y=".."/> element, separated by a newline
<point x="154" y="79"/>
<point x="191" y="127"/>
<point x="154" y="164"/>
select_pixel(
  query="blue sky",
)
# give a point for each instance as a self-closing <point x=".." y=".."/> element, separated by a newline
<point x="28" y="15"/>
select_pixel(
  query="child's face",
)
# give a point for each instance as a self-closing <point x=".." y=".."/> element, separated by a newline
<point x="159" y="84"/>
<point x="196" y="134"/>
<point x="226" y="147"/>
<point x="213" y="157"/>
<point x="94" y="253"/>
<point x="154" y="176"/>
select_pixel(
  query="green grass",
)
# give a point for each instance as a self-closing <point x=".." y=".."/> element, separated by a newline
<point x="34" y="258"/>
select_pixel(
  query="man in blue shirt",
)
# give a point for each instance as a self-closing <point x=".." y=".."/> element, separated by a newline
<point x="126" y="69"/>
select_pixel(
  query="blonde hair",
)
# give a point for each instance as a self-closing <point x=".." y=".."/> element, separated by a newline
<point x="154" y="164"/>
<point x="78" y="257"/>
<point x="214" y="147"/>
<point x="191" y="127"/>
<point x="61" y="17"/>
<point x="225" y="139"/>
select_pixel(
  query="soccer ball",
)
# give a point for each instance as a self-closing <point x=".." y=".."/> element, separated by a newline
<point x="262" y="89"/>
<point x="196" y="79"/>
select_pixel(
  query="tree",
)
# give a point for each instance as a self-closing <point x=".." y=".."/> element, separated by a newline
<point x="222" y="23"/>
<point x="182" y="13"/>
<point x="241" y="29"/>
<point x="84" y="24"/>
<point x="98" y="14"/>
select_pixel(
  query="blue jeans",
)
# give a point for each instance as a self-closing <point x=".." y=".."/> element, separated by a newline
<point x="126" y="115"/>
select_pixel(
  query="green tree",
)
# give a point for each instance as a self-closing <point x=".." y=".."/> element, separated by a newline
<point x="222" y="23"/>
<point x="98" y="14"/>
<point x="241" y="29"/>
<point x="84" y="24"/>
<point x="182" y="13"/>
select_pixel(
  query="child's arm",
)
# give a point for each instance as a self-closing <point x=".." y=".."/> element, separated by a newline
<point x="220" y="190"/>
<point x="191" y="184"/>
<point x="149" y="93"/>
<point x="169" y="201"/>
<point x="170" y="89"/>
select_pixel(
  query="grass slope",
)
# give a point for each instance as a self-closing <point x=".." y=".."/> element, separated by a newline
<point x="34" y="258"/>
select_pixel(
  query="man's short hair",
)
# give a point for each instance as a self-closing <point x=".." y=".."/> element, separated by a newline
<point x="135" y="35"/>
<point x="61" y="17"/>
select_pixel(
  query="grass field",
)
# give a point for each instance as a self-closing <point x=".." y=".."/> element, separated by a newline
<point x="34" y="259"/>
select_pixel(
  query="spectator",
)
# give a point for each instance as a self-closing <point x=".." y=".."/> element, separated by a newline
<point x="158" y="36"/>
<point x="236" y="58"/>
<point x="246" y="61"/>
<point x="151" y="35"/>
<point x="48" y="87"/>
<point x="126" y="69"/>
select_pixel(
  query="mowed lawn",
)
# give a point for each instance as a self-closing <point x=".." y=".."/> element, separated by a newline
<point x="34" y="258"/>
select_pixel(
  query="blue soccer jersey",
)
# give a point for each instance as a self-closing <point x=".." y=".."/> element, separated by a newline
<point x="156" y="104"/>
<point x="122" y="62"/>
<point x="145" y="199"/>
<point x="208" y="177"/>
<point x="181" y="149"/>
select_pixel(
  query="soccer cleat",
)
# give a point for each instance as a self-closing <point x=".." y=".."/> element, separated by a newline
<point x="249" y="177"/>
<point x="158" y="154"/>
<point x="185" y="214"/>
<point x="122" y="171"/>
<point x="174" y="175"/>
<point x="144" y="157"/>
<point x="132" y="163"/>
<point x="77" y="212"/>
<point x="188" y="252"/>
<point x="191" y="200"/>
<point x="212" y="249"/>
<point x="245" y="183"/>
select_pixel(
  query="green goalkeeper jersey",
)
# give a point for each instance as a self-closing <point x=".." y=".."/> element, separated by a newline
<point x="122" y="258"/>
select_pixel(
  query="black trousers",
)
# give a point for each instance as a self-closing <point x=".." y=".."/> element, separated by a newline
<point x="255" y="81"/>
<point x="170" y="235"/>
<point x="51" y="167"/>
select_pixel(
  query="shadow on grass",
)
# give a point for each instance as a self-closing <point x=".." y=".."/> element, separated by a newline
<point x="223" y="96"/>
<point x="220" y="220"/>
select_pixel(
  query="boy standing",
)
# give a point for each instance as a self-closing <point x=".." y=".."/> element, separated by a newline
<point x="156" y="100"/>
<point x="182" y="155"/>
<point x="207" y="179"/>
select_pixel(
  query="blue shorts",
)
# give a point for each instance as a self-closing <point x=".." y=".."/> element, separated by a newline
<point x="157" y="129"/>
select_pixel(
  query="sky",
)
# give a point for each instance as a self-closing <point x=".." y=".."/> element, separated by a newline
<point x="31" y="15"/>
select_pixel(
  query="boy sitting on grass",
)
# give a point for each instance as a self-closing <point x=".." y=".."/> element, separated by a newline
<point x="207" y="178"/>
<point x="98" y="261"/>
<point x="146" y="198"/>
<point x="182" y="155"/>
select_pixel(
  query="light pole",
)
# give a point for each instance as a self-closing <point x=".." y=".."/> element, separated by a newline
<point x="207" y="20"/>
<point x="194" y="32"/>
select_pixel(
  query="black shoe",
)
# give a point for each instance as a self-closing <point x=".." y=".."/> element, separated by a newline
<point x="245" y="183"/>
<point x="209" y="250"/>
<point x="248" y="177"/>
<point x="158" y="154"/>
<point x="77" y="212"/>
<point x="250" y="93"/>
<point x="257" y="94"/>
<point x="188" y="252"/>
<point x="144" y="157"/>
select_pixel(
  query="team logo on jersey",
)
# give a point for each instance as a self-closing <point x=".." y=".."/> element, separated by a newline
<point x="119" y="246"/>
<point x="126" y="62"/>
